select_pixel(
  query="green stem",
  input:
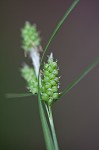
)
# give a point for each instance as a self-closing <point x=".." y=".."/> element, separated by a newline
<point x="53" y="129"/>
<point x="46" y="131"/>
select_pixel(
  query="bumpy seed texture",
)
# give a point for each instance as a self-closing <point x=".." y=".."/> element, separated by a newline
<point x="29" y="75"/>
<point x="30" y="37"/>
<point x="49" y="90"/>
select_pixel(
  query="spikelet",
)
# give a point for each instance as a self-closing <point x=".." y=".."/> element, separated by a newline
<point x="29" y="75"/>
<point x="49" y="90"/>
<point x="30" y="37"/>
<point x="31" y="44"/>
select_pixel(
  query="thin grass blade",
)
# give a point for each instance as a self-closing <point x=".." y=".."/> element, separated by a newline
<point x="80" y="77"/>
<point x="58" y="26"/>
<point x="17" y="95"/>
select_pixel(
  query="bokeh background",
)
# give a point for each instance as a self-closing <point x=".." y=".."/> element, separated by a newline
<point x="76" y="45"/>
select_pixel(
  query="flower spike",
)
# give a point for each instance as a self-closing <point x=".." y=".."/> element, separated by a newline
<point x="32" y="44"/>
<point x="30" y="37"/>
<point x="29" y="75"/>
<point x="49" y="90"/>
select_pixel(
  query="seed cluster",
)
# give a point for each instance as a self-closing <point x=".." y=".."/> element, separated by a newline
<point x="29" y="75"/>
<point x="49" y="90"/>
<point x="49" y="85"/>
<point x="30" y="37"/>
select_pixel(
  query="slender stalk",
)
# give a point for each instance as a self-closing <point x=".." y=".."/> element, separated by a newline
<point x="46" y="131"/>
<point x="53" y="129"/>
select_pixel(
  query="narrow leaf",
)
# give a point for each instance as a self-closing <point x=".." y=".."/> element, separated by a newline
<point x="80" y="77"/>
<point x="17" y="95"/>
<point x="59" y="25"/>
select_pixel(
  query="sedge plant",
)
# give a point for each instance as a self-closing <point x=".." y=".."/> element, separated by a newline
<point x="45" y="83"/>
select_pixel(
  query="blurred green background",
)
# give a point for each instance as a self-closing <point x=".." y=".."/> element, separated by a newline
<point x="76" y="115"/>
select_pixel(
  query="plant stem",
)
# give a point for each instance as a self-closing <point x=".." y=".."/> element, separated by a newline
<point x="53" y="129"/>
<point x="46" y="130"/>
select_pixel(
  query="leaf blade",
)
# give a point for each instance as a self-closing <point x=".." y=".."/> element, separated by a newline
<point x="17" y="95"/>
<point x="46" y="131"/>
<point x="80" y="77"/>
<point x="58" y="27"/>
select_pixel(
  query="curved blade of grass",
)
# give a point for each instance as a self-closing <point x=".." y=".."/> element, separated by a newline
<point x="80" y="77"/>
<point x="17" y="95"/>
<point x="58" y="26"/>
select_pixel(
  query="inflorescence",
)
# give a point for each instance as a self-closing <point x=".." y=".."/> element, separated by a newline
<point x="30" y="37"/>
<point x="49" y="81"/>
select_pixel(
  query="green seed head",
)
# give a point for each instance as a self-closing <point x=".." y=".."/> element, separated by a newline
<point x="29" y="75"/>
<point x="30" y="37"/>
<point x="46" y="79"/>
<point x="44" y="97"/>
<point x="50" y="101"/>
<point x="49" y="92"/>
<point x="53" y="83"/>
<point x="47" y="86"/>
<point x="55" y="96"/>
<point x="50" y="81"/>
<point x="46" y="66"/>
<point x="54" y="64"/>
<point x="52" y="76"/>
<point x="54" y="88"/>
